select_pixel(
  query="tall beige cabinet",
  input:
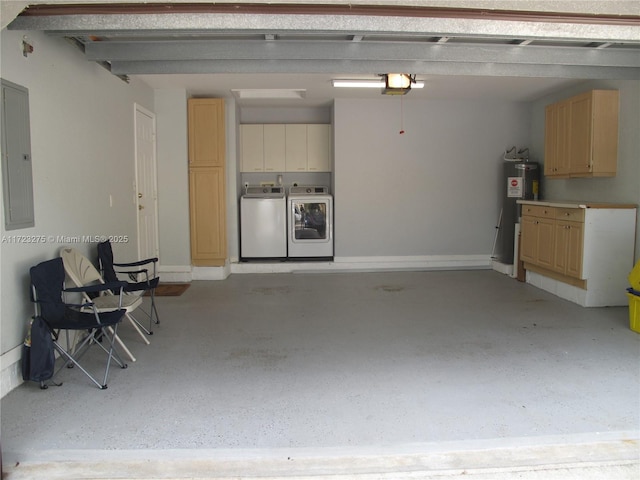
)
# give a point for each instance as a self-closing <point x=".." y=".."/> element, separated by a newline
<point x="207" y="181"/>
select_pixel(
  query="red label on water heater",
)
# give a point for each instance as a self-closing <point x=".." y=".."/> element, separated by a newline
<point x="514" y="187"/>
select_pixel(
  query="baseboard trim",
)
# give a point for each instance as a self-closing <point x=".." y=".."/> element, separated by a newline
<point x="11" y="372"/>
<point x="187" y="273"/>
<point x="368" y="264"/>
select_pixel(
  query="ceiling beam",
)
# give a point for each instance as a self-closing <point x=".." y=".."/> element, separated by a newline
<point x="367" y="67"/>
<point x="348" y="51"/>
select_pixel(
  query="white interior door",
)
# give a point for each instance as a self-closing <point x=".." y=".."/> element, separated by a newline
<point x="146" y="184"/>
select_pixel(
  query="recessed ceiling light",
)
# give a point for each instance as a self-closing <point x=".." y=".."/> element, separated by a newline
<point x="267" y="93"/>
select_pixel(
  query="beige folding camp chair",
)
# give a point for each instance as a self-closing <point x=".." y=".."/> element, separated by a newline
<point x="83" y="273"/>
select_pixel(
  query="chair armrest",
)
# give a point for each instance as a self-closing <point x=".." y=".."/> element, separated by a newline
<point x="136" y="264"/>
<point x="144" y="270"/>
<point x="147" y="261"/>
<point x="66" y="304"/>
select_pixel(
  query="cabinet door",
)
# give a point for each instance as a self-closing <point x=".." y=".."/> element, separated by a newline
<point x="528" y="239"/>
<point x="274" y="148"/>
<point x="251" y="148"/>
<point x="556" y="142"/>
<point x="563" y="147"/>
<point x="296" y="148"/>
<point x="604" y="154"/>
<point x="206" y="132"/>
<point x="574" y="249"/>
<point x="561" y="247"/>
<point x="580" y="134"/>
<point x="318" y="148"/>
<point x="545" y="251"/>
<point x="551" y="140"/>
<point x="207" y="216"/>
<point x="568" y="248"/>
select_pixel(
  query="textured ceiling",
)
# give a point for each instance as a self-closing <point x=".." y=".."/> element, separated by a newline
<point x="211" y="48"/>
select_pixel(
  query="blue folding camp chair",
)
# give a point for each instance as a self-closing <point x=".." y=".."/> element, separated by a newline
<point x="96" y="328"/>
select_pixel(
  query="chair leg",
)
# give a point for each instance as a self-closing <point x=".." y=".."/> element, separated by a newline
<point x="122" y="345"/>
<point x="154" y="310"/>
<point x="111" y="355"/>
<point x="141" y="326"/>
<point x="111" y="351"/>
<point x="134" y="322"/>
<point x="80" y="350"/>
<point x="70" y="360"/>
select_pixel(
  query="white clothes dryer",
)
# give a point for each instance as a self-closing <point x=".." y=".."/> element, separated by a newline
<point x="310" y="222"/>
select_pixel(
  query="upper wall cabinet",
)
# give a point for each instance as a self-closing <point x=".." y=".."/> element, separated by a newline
<point x="285" y="148"/>
<point x="206" y="132"/>
<point x="318" y="148"/>
<point x="581" y="136"/>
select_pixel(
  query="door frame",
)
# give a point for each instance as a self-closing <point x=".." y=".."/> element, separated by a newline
<point x="154" y="181"/>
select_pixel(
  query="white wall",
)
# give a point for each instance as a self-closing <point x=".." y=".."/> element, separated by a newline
<point x="82" y="142"/>
<point x="173" y="178"/>
<point x="625" y="186"/>
<point x="433" y="190"/>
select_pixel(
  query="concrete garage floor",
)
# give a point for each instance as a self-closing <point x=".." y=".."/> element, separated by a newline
<point x="444" y="374"/>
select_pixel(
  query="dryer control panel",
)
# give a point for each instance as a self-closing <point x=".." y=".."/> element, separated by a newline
<point x="308" y="190"/>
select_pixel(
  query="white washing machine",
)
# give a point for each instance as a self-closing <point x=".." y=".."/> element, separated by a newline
<point x="310" y="219"/>
<point x="263" y="222"/>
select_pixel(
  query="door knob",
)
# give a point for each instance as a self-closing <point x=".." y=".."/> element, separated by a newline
<point x="139" y="195"/>
<point x="140" y="207"/>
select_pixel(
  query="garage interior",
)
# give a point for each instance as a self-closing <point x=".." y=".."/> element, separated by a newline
<point x="397" y="374"/>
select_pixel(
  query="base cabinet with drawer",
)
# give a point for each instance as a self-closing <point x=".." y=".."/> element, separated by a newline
<point x="537" y="239"/>
<point x="582" y="252"/>
<point x="567" y="251"/>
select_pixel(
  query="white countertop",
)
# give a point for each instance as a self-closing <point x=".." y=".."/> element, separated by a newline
<point x="574" y="204"/>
